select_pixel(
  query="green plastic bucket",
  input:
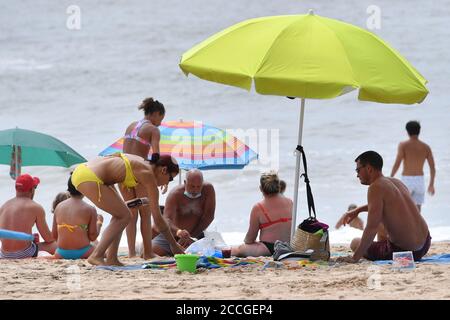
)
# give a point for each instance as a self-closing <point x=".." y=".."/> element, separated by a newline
<point x="186" y="262"/>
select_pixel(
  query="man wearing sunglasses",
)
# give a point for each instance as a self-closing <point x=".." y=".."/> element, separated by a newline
<point x="392" y="214"/>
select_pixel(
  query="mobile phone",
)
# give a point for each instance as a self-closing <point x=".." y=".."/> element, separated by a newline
<point x="137" y="202"/>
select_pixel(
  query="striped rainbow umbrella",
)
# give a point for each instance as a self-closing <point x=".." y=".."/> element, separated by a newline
<point x="198" y="145"/>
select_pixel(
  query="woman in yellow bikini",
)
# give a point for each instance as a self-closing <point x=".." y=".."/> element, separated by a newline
<point x="141" y="137"/>
<point x="95" y="179"/>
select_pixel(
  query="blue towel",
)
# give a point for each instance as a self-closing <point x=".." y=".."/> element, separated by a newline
<point x="438" y="258"/>
<point x="123" y="268"/>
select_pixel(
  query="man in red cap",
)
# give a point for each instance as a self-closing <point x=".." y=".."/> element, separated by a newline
<point x="20" y="214"/>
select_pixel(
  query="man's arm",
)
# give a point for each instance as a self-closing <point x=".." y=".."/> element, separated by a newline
<point x="398" y="159"/>
<point x="374" y="218"/>
<point x="253" y="228"/>
<point x="430" y="160"/>
<point x="208" y="212"/>
<point x="42" y="226"/>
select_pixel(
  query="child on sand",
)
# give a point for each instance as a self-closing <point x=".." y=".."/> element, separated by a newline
<point x="75" y="225"/>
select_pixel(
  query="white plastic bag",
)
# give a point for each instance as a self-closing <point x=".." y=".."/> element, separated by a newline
<point x="203" y="246"/>
<point x="208" y="245"/>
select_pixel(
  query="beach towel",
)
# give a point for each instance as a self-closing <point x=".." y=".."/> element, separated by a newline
<point x="121" y="268"/>
<point x="437" y="259"/>
<point x="203" y="262"/>
<point x="215" y="263"/>
<point x="160" y="264"/>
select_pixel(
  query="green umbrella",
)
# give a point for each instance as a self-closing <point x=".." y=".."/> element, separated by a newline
<point x="19" y="147"/>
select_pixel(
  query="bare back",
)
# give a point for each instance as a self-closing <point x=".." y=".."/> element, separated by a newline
<point x="404" y="224"/>
<point x="277" y="207"/>
<point x="111" y="169"/>
<point x="18" y="214"/>
<point x="81" y="218"/>
<point x="414" y="153"/>
<point x="146" y="132"/>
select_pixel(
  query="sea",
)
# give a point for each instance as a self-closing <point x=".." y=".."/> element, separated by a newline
<point x="78" y="69"/>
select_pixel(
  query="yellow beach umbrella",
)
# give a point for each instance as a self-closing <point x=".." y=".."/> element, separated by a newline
<point x="305" y="56"/>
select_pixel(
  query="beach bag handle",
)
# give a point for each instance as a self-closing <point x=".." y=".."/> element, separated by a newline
<point x="309" y="195"/>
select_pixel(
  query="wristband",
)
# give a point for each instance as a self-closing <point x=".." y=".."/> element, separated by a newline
<point x="155" y="157"/>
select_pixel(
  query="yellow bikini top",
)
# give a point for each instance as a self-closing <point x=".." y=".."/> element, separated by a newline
<point x="130" y="180"/>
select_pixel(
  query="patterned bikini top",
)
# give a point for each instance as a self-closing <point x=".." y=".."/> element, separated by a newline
<point x="134" y="133"/>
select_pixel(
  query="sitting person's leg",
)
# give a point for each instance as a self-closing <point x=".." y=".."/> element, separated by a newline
<point x="161" y="246"/>
<point x="256" y="249"/>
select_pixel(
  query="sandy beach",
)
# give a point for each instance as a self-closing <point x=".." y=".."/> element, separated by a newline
<point x="64" y="279"/>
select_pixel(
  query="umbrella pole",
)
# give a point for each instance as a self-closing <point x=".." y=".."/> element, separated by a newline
<point x="297" y="169"/>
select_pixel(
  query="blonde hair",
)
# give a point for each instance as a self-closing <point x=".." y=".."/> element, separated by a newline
<point x="270" y="183"/>
<point x="60" y="197"/>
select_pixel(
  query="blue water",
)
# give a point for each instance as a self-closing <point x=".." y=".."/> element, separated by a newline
<point x="83" y="86"/>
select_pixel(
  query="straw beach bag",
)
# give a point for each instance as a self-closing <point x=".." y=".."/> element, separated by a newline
<point x="311" y="233"/>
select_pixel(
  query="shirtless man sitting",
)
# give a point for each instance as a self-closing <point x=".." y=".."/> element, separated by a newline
<point x="189" y="210"/>
<point x="20" y="214"/>
<point x="413" y="153"/>
<point x="392" y="214"/>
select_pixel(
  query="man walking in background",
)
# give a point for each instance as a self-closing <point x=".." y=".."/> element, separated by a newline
<point x="413" y="153"/>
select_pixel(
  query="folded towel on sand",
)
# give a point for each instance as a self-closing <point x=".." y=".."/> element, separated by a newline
<point x="438" y="259"/>
<point x="122" y="268"/>
<point x="214" y="263"/>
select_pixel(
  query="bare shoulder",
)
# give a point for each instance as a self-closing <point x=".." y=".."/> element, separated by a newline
<point x="36" y="207"/>
<point x="379" y="185"/>
<point x="177" y="191"/>
<point x="426" y="146"/>
<point x="208" y="187"/>
<point x="130" y="127"/>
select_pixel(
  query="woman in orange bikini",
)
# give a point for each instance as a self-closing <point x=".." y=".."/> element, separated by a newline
<point x="271" y="218"/>
<point x="141" y="137"/>
<point x="95" y="179"/>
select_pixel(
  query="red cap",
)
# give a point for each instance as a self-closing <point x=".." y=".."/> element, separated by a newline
<point x="25" y="182"/>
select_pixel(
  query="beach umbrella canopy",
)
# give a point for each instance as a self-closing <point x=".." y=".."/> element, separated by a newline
<point x="20" y="147"/>
<point x="305" y="56"/>
<point x="198" y="145"/>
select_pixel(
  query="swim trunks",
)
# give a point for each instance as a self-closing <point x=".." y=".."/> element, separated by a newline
<point x="30" y="252"/>
<point x="382" y="250"/>
<point x="416" y="186"/>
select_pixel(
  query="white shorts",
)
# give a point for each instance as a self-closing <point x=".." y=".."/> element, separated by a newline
<point x="416" y="186"/>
